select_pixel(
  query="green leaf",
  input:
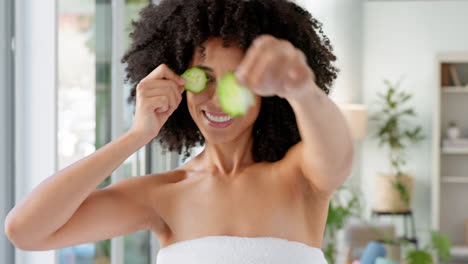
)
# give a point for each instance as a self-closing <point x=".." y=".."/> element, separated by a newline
<point x="330" y="253"/>
<point x="441" y="243"/>
<point x="408" y="111"/>
<point x="419" y="257"/>
<point x="402" y="191"/>
<point x="405" y="97"/>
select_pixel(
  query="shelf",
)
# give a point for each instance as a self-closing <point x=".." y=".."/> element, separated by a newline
<point x="459" y="250"/>
<point x="455" y="89"/>
<point x="378" y="213"/>
<point x="454" y="150"/>
<point x="454" y="179"/>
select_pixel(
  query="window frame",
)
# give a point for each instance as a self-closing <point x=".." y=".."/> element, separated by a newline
<point x="35" y="81"/>
<point x="7" y="134"/>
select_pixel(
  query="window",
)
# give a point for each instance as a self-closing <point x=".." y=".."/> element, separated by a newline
<point x="92" y="108"/>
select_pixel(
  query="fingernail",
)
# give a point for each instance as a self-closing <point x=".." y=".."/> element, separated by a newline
<point x="182" y="81"/>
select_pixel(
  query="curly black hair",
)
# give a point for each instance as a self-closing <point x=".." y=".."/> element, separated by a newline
<point x="170" y="32"/>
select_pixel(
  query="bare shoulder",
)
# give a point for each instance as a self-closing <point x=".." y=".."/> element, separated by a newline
<point x="148" y="184"/>
<point x="152" y="190"/>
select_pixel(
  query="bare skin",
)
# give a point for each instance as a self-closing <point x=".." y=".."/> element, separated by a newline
<point x="261" y="200"/>
<point x="222" y="191"/>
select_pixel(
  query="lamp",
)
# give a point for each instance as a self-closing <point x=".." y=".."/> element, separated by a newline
<point x="356" y="115"/>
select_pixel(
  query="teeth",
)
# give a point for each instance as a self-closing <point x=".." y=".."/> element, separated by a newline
<point x="218" y="119"/>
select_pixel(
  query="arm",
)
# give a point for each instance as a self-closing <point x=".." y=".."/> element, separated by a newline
<point x="66" y="208"/>
<point x="326" y="151"/>
<point x="121" y="208"/>
<point x="275" y="67"/>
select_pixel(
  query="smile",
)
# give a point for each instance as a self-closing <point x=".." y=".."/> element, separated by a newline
<point x="219" y="120"/>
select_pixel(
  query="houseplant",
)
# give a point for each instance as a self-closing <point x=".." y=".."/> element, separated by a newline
<point x="344" y="204"/>
<point x="438" y="248"/>
<point x="393" y="190"/>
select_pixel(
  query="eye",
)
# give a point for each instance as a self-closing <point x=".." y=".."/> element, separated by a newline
<point x="210" y="79"/>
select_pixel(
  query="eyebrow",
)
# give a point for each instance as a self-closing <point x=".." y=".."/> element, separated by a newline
<point x="206" y="68"/>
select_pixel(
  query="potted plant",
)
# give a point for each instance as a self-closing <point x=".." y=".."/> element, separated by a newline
<point x="343" y="205"/>
<point x="437" y="249"/>
<point x="393" y="190"/>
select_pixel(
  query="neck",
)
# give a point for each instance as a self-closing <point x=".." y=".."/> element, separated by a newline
<point x="229" y="158"/>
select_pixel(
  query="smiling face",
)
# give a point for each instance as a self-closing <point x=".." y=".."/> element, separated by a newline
<point x="216" y="126"/>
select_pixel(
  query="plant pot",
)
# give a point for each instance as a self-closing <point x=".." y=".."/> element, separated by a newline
<point x="386" y="197"/>
<point x="102" y="260"/>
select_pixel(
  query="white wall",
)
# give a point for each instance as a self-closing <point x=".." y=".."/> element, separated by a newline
<point x="35" y="103"/>
<point x="402" y="38"/>
<point x="342" y="24"/>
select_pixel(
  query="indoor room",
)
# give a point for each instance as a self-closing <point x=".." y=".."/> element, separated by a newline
<point x="234" y="131"/>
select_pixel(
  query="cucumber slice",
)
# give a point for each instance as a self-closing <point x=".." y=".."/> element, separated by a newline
<point x="195" y="80"/>
<point x="234" y="98"/>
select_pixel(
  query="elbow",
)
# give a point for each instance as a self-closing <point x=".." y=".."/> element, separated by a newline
<point x="8" y="229"/>
<point x="13" y="233"/>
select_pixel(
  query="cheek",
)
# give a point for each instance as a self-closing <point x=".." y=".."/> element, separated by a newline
<point x="196" y="99"/>
<point x="192" y="101"/>
<point x="255" y="110"/>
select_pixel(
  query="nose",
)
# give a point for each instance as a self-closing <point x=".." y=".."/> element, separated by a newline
<point x="212" y="94"/>
<point x="214" y="98"/>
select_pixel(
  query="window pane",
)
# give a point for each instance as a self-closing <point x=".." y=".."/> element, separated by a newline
<point x="136" y="245"/>
<point x="83" y="98"/>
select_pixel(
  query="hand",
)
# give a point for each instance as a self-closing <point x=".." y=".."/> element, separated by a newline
<point x="274" y="66"/>
<point x="157" y="96"/>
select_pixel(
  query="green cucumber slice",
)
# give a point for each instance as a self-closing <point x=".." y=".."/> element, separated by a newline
<point x="234" y="98"/>
<point x="195" y="80"/>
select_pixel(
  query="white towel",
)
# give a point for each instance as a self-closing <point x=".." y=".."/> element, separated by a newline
<point x="240" y="250"/>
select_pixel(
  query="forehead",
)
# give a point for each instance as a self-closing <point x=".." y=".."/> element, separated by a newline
<point x="215" y="53"/>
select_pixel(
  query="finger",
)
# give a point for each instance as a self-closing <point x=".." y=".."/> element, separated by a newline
<point x="266" y="76"/>
<point x="164" y="72"/>
<point x="247" y="64"/>
<point x="172" y="95"/>
<point x="155" y="103"/>
<point x="159" y="104"/>
<point x="177" y="95"/>
<point x="157" y="87"/>
<point x="299" y="73"/>
<point x="180" y="89"/>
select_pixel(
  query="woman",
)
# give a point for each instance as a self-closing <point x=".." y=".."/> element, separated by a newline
<point x="263" y="181"/>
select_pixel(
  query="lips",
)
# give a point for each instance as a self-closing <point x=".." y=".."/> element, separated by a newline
<point x="217" y="119"/>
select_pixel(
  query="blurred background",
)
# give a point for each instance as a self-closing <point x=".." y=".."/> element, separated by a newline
<point x="403" y="88"/>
